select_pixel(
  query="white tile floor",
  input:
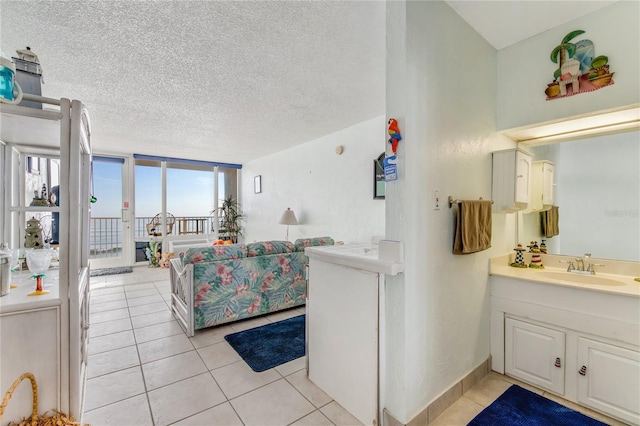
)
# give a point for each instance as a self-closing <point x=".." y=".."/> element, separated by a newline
<point x="144" y="370"/>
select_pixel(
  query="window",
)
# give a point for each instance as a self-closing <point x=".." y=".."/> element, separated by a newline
<point x="189" y="192"/>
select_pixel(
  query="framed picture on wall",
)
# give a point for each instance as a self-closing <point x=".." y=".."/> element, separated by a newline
<point x="378" y="178"/>
<point x="257" y="184"/>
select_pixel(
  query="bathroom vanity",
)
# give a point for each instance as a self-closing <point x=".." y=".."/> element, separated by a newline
<point x="575" y="335"/>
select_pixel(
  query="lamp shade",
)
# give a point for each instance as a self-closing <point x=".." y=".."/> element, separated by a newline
<point x="288" y="218"/>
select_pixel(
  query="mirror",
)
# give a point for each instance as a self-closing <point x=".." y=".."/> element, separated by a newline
<point x="597" y="189"/>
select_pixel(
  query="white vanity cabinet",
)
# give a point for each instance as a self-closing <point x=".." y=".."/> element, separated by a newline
<point x="541" y="186"/>
<point x="534" y="354"/>
<point x="511" y="180"/>
<point x="46" y="334"/>
<point x="581" y="344"/>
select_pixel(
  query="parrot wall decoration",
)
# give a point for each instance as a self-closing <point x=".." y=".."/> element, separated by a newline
<point x="394" y="134"/>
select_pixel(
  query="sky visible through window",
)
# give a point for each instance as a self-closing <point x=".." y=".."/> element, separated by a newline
<point x="189" y="192"/>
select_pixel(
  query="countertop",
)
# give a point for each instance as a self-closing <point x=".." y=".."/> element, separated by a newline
<point x="18" y="300"/>
<point x="360" y="256"/>
<point x="619" y="278"/>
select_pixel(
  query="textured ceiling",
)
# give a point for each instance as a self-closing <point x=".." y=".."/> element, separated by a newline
<point x="230" y="81"/>
<point x="220" y="81"/>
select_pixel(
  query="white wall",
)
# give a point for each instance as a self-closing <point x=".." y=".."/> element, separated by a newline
<point x="438" y="310"/>
<point x="331" y="195"/>
<point x="525" y="69"/>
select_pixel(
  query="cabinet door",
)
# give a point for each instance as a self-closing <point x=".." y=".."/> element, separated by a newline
<point x="535" y="354"/>
<point x="523" y="177"/>
<point x="609" y="379"/>
<point x="547" y="183"/>
<point x="30" y="342"/>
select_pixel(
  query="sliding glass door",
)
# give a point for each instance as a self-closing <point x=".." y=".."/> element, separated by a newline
<point x="109" y="234"/>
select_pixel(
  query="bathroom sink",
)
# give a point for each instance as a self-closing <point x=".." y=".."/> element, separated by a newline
<point x="580" y="278"/>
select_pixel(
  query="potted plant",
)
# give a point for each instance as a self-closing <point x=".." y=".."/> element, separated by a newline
<point x="230" y="218"/>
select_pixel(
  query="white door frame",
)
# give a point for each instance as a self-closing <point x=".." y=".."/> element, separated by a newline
<point x="127" y="257"/>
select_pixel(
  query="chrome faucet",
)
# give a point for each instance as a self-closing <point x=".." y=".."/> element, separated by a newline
<point x="580" y="265"/>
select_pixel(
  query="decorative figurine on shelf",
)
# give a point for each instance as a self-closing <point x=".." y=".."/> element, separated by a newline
<point x="536" y="258"/>
<point x="38" y="201"/>
<point x="38" y="262"/>
<point x="394" y="134"/>
<point x="543" y="247"/>
<point x="33" y="234"/>
<point x="519" y="263"/>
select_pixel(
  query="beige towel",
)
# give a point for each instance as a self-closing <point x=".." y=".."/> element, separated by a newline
<point x="550" y="221"/>
<point x="473" y="227"/>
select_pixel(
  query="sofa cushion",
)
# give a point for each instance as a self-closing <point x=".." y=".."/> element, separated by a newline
<point x="262" y="248"/>
<point x="209" y="254"/>
<point x="301" y="243"/>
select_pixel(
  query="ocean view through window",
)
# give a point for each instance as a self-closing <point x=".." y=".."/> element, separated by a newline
<point x="189" y="195"/>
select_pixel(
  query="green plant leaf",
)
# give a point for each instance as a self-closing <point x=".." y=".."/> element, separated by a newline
<point x="571" y="35"/>
<point x="599" y="61"/>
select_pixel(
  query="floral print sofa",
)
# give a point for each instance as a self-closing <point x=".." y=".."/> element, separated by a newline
<point x="224" y="283"/>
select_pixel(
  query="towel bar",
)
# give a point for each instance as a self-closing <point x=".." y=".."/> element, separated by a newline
<point x="452" y="201"/>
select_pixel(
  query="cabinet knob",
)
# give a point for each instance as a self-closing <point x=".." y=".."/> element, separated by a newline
<point x="583" y="371"/>
<point x="558" y="363"/>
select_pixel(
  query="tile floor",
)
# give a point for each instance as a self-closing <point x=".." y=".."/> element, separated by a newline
<point x="144" y="370"/>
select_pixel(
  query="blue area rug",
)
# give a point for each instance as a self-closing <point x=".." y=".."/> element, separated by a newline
<point x="520" y="407"/>
<point x="270" y="345"/>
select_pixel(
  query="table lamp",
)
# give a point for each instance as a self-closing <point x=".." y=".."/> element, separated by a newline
<point x="288" y="218"/>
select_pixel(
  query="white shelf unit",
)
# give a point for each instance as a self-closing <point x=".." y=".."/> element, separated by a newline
<point x="62" y="315"/>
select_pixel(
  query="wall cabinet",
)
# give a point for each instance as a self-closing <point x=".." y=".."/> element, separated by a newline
<point x="541" y="186"/>
<point x="511" y="180"/>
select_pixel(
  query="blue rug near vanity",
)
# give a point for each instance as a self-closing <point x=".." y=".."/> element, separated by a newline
<point x="270" y="345"/>
<point x="520" y="407"/>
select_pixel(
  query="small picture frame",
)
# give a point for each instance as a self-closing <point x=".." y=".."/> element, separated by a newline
<point x="378" y="178"/>
<point x="257" y="184"/>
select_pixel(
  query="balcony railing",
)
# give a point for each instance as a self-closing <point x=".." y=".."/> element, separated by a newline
<point x="105" y="233"/>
